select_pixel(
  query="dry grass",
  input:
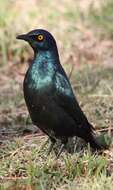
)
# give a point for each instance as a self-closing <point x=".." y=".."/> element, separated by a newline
<point x="23" y="161"/>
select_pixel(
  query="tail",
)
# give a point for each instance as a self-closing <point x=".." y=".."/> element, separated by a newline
<point x="89" y="136"/>
<point x="94" y="142"/>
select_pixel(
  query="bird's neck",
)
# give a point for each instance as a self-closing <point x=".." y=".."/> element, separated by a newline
<point x="49" y="56"/>
<point x="43" y="67"/>
<point x="45" y="62"/>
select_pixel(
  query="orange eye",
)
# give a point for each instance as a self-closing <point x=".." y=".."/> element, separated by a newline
<point x="40" y="37"/>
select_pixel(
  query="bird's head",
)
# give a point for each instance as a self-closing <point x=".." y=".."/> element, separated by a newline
<point x="39" y="39"/>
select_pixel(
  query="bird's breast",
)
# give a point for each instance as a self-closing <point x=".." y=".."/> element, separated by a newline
<point x="37" y="92"/>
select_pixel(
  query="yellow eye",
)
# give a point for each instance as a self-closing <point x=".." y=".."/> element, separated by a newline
<point x="40" y="37"/>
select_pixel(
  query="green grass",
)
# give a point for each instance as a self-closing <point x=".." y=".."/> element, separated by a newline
<point x="23" y="161"/>
<point x="29" y="161"/>
<point x="72" y="21"/>
<point x="102" y="19"/>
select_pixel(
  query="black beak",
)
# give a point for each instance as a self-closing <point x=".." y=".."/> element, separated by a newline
<point x="23" y="37"/>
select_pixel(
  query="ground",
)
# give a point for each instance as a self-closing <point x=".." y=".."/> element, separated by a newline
<point x="86" y="53"/>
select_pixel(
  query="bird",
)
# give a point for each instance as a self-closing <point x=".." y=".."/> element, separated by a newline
<point x="51" y="102"/>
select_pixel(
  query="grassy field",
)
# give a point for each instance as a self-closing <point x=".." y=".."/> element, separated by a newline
<point x="85" y="49"/>
<point x="23" y="161"/>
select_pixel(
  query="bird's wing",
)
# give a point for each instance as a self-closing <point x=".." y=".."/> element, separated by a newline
<point x="66" y="99"/>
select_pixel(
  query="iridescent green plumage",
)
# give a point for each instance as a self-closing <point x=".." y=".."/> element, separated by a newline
<point x="49" y="96"/>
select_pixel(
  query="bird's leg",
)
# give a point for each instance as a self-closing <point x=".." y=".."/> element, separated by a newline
<point x="53" y="141"/>
<point x="64" y="141"/>
<point x="60" y="151"/>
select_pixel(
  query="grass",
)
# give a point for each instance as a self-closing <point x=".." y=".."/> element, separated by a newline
<point x="73" y="22"/>
<point x="102" y="19"/>
<point x="30" y="18"/>
<point x="23" y="161"/>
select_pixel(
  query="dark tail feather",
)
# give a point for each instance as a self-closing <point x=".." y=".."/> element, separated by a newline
<point x="94" y="142"/>
<point x="91" y="138"/>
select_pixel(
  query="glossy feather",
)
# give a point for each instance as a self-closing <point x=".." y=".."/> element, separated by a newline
<point x="49" y="97"/>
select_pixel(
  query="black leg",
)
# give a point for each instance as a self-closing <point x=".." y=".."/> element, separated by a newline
<point x="60" y="151"/>
<point x="64" y="141"/>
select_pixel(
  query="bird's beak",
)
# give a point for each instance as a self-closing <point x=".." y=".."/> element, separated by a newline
<point x="23" y="37"/>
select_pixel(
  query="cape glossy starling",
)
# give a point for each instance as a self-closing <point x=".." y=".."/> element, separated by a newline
<point x="49" y="96"/>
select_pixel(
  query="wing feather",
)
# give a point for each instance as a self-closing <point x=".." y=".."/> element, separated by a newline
<point x="66" y="98"/>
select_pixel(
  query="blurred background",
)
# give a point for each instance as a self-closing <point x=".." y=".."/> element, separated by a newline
<point x="83" y="30"/>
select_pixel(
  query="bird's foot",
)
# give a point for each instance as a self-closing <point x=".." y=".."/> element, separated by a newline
<point x="60" y="151"/>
